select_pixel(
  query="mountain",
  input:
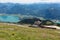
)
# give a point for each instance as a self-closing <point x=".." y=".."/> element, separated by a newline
<point x="48" y="11"/>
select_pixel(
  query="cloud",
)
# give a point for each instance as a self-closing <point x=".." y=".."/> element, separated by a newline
<point x="30" y="1"/>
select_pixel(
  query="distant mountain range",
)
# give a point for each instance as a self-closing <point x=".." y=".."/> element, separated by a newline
<point x="48" y="11"/>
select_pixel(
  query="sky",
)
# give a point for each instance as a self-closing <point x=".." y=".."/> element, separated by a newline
<point x="30" y="1"/>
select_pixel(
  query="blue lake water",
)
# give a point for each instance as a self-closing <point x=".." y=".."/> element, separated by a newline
<point x="58" y="22"/>
<point x="9" y="18"/>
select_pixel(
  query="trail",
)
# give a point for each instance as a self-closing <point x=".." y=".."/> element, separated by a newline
<point x="19" y="25"/>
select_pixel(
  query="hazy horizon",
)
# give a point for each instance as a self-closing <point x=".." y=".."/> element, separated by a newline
<point x="29" y="1"/>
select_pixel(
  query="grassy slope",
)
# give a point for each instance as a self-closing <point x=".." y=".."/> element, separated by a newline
<point x="8" y="32"/>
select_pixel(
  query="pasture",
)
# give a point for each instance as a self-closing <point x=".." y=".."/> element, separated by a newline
<point x="14" y="32"/>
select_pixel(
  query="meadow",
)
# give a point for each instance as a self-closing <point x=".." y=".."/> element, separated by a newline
<point x="14" y="32"/>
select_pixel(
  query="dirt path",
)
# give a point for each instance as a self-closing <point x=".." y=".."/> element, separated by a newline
<point x="15" y="24"/>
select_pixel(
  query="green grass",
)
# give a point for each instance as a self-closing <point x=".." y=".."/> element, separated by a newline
<point x="9" y="32"/>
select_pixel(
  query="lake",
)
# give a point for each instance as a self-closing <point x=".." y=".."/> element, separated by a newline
<point x="9" y="18"/>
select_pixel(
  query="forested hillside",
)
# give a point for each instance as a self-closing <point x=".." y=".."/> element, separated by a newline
<point x="48" y="11"/>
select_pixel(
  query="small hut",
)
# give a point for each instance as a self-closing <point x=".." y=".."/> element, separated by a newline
<point x="36" y="24"/>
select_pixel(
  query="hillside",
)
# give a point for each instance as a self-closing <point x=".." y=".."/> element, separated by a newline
<point x="48" y="11"/>
<point x="11" y="32"/>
